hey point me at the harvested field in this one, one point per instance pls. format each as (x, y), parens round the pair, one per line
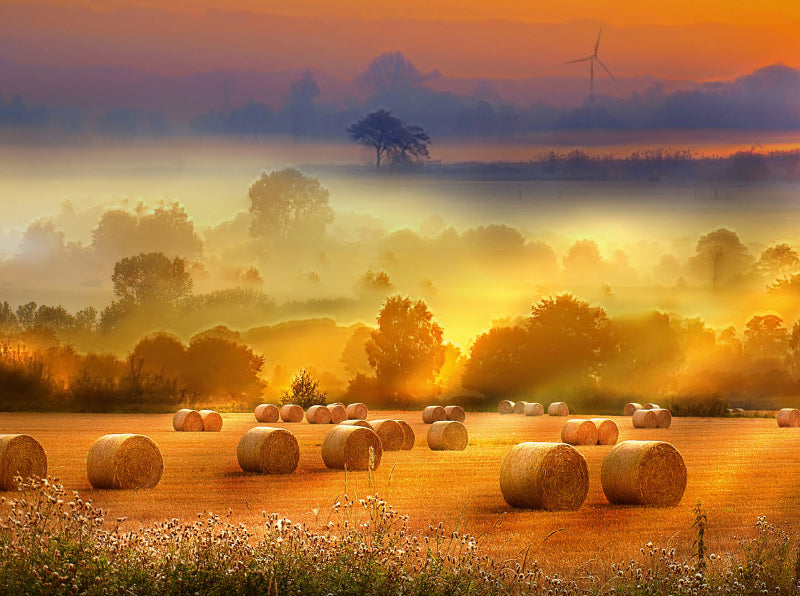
(730, 466)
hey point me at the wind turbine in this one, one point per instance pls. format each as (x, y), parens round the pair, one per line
(591, 59)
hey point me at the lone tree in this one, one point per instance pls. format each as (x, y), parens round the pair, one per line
(406, 350)
(151, 278)
(400, 143)
(286, 204)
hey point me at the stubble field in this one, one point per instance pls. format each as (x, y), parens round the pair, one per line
(738, 468)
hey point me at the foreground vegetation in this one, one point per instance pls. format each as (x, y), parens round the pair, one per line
(52, 543)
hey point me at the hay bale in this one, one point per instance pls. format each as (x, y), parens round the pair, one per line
(455, 413)
(651, 406)
(212, 421)
(534, 409)
(607, 431)
(788, 417)
(20, 455)
(348, 447)
(519, 407)
(558, 408)
(644, 419)
(447, 435)
(550, 476)
(391, 434)
(267, 413)
(663, 417)
(361, 423)
(268, 450)
(643, 473)
(338, 413)
(408, 435)
(124, 461)
(291, 413)
(579, 432)
(505, 407)
(631, 407)
(318, 415)
(357, 411)
(186, 420)
(433, 414)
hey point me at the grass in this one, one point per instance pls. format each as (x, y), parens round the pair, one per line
(740, 469)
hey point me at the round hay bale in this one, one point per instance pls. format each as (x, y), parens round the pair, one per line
(644, 419)
(519, 407)
(291, 413)
(124, 461)
(23, 456)
(558, 408)
(391, 434)
(212, 421)
(788, 417)
(267, 413)
(631, 407)
(338, 413)
(357, 411)
(338, 403)
(607, 431)
(651, 406)
(579, 432)
(505, 407)
(186, 420)
(408, 435)
(663, 417)
(550, 476)
(738, 411)
(268, 450)
(455, 413)
(534, 409)
(447, 435)
(433, 414)
(643, 473)
(318, 415)
(348, 447)
(361, 423)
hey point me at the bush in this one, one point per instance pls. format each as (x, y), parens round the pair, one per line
(304, 391)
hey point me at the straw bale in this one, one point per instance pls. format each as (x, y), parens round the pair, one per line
(505, 407)
(558, 408)
(267, 413)
(663, 417)
(318, 415)
(357, 422)
(788, 417)
(447, 435)
(433, 414)
(408, 435)
(186, 420)
(391, 434)
(534, 409)
(348, 447)
(631, 407)
(23, 456)
(455, 413)
(579, 432)
(519, 407)
(643, 473)
(651, 406)
(357, 411)
(607, 431)
(338, 413)
(291, 413)
(268, 450)
(550, 476)
(644, 419)
(124, 461)
(212, 421)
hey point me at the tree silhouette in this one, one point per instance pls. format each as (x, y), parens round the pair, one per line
(400, 143)
(765, 337)
(391, 71)
(721, 257)
(300, 104)
(304, 391)
(406, 350)
(497, 364)
(286, 204)
(151, 279)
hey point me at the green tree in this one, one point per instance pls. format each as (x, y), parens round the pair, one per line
(151, 279)
(391, 138)
(407, 349)
(285, 204)
(304, 391)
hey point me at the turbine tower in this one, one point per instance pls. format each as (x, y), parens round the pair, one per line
(591, 59)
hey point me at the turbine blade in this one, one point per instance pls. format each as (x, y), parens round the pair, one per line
(580, 60)
(597, 43)
(606, 69)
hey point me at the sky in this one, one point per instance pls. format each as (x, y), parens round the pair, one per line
(677, 40)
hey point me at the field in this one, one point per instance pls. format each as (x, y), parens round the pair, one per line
(738, 468)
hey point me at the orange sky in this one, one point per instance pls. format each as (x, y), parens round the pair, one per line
(681, 39)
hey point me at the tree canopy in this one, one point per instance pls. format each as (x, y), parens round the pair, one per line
(151, 278)
(400, 143)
